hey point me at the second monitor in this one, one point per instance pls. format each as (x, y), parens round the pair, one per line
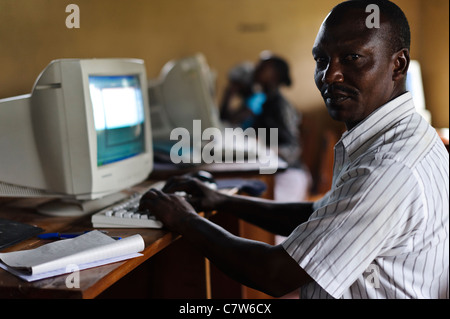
(183, 97)
(183, 92)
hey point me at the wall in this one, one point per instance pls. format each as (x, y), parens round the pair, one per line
(433, 52)
(33, 32)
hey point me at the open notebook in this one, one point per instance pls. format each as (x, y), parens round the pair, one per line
(86, 251)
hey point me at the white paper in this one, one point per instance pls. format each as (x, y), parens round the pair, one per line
(67, 270)
(91, 247)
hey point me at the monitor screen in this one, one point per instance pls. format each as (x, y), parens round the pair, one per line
(118, 109)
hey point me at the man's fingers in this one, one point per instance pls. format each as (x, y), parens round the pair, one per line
(150, 196)
(178, 184)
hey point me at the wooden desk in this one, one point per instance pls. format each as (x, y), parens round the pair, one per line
(172, 269)
(92, 281)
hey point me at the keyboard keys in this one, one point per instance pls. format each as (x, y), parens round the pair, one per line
(125, 214)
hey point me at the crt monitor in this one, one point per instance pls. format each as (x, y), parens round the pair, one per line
(183, 92)
(83, 135)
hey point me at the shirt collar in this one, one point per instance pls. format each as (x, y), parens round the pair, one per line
(381, 120)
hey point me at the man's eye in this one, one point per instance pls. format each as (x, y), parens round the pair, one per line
(352, 57)
(320, 60)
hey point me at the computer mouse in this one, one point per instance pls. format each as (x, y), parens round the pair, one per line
(205, 177)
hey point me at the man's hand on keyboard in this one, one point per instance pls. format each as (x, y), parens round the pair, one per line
(172, 210)
(199, 195)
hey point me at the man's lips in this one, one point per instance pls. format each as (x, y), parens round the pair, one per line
(335, 94)
(335, 98)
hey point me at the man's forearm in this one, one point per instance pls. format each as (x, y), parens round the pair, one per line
(255, 264)
(278, 218)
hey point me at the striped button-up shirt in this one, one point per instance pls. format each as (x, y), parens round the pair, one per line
(382, 231)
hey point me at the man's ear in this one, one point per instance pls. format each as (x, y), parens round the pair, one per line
(401, 64)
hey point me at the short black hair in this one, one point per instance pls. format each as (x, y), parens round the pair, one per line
(399, 36)
(281, 65)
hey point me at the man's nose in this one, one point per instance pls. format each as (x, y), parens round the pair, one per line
(333, 73)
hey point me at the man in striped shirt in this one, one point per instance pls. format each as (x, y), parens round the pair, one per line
(382, 229)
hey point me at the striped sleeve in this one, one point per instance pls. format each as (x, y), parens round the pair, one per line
(358, 224)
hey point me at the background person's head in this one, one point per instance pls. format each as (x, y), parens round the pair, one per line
(271, 72)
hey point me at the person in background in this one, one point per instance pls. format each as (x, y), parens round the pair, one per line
(271, 73)
(262, 105)
(234, 108)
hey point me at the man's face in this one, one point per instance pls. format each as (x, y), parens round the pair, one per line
(353, 68)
